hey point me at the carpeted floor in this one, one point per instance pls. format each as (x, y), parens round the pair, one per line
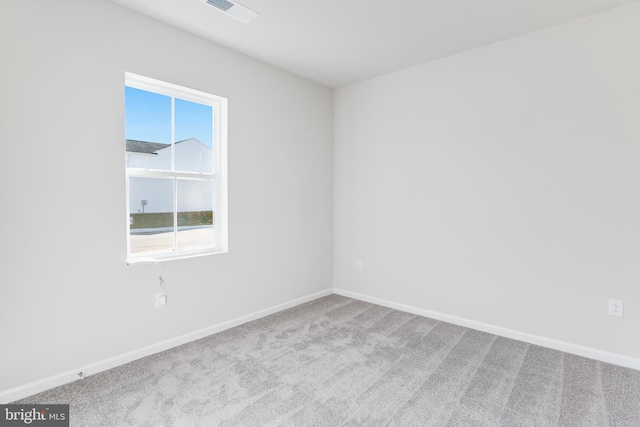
(337, 361)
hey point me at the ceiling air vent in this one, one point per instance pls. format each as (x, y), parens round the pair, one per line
(233, 9)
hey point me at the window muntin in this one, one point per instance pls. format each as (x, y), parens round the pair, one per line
(176, 171)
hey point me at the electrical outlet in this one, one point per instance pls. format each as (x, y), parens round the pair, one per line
(161, 300)
(616, 308)
(358, 265)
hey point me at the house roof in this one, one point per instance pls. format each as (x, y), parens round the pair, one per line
(146, 147)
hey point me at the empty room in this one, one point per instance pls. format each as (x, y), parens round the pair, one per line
(296, 213)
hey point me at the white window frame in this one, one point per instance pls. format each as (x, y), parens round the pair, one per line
(218, 176)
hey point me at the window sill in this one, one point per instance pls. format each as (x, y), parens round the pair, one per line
(171, 257)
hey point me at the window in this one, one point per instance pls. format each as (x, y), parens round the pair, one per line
(176, 145)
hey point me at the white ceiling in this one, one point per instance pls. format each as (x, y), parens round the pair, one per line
(336, 42)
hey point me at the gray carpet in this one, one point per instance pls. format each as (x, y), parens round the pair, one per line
(341, 362)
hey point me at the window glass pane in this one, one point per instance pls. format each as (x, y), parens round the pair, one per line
(195, 214)
(151, 215)
(194, 136)
(148, 129)
(177, 202)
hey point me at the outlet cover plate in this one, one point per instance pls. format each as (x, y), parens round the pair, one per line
(161, 300)
(616, 308)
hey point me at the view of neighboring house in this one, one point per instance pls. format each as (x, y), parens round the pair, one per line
(153, 195)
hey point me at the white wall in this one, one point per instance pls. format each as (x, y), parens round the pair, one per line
(501, 185)
(67, 298)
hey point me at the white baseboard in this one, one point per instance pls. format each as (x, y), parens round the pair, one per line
(34, 387)
(591, 353)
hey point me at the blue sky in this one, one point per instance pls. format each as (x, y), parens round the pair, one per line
(148, 118)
